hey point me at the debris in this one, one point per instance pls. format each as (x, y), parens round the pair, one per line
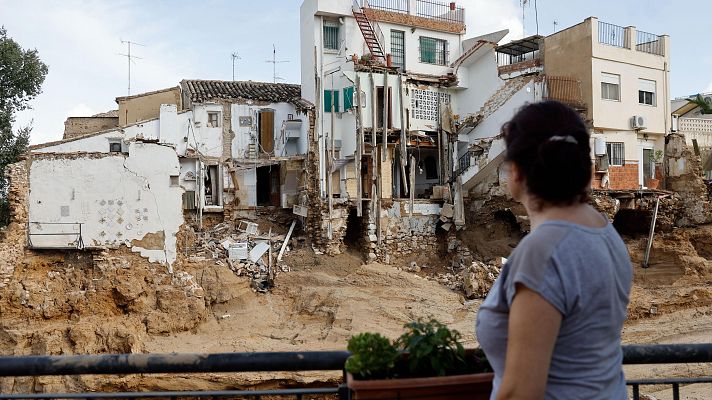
(258, 251)
(447, 210)
(225, 316)
(238, 251)
(248, 227)
(286, 240)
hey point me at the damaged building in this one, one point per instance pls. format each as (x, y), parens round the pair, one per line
(177, 155)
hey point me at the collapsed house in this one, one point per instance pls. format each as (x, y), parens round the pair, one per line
(178, 155)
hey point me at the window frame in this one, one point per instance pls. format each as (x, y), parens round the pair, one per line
(326, 42)
(217, 119)
(112, 148)
(605, 86)
(646, 84)
(398, 52)
(435, 41)
(610, 155)
(327, 103)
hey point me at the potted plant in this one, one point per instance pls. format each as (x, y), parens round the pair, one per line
(655, 157)
(426, 362)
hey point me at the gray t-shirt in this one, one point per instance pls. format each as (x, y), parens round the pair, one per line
(586, 274)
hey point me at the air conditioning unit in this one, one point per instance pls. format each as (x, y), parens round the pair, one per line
(638, 122)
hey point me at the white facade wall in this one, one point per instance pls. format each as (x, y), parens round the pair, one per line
(287, 142)
(91, 144)
(119, 199)
(479, 80)
(206, 140)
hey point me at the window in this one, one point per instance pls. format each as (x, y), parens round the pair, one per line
(348, 98)
(328, 94)
(646, 92)
(398, 49)
(114, 147)
(616, 153)
(433, 51)
(213, 119)
(610, 86)
(331, 35)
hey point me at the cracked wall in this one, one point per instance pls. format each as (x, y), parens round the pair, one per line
(117, 199)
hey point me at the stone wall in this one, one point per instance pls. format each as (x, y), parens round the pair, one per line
(78, 126)
(13, 238)
(684, 177)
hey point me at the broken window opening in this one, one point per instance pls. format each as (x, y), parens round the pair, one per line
(427, 169)
(213, 119)
(114, 147)
(211, 186)
(354, 232)
(380, 107)
(268, 186)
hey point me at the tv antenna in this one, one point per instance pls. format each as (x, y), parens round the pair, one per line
(129, 58)
(555, 23)
(235, 56)
(274, 63)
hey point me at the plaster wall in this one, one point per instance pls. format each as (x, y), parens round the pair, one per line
(287, 141)
(119, 199)
(479, 80)
(93, 144)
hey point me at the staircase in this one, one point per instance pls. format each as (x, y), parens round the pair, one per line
(370, 30)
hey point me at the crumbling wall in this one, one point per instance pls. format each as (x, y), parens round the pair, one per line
(119, 200)
(78, 126)
(403, 235)
(13, 238)
(684, 177)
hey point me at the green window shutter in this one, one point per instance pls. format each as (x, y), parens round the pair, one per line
(327, 100)
(427, 50)
(348, 98)
(336, 100)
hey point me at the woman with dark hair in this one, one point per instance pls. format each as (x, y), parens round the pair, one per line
(551, 325)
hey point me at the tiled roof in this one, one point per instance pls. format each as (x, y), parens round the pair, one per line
(204, 90)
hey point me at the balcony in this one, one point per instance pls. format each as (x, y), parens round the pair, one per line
(630, 38)
(178, 365)
(429, 14)
(520, 56)
(564, 89)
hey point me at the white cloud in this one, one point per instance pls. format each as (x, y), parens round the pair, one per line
(486, 16)
(709, 88)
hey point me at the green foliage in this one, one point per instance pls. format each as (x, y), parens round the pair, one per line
(21, 76)
(656, 156)
(705, 106)
(373, 356)
(433, 349)
(427, 348)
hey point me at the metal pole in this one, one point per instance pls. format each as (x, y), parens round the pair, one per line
(650, 235)
(359, 149)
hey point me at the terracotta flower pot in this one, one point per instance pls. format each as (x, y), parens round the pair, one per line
(457, 387)
(652, 183)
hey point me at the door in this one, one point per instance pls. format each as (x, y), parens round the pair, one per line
(274, 193)
(267, 131)
(648, 166)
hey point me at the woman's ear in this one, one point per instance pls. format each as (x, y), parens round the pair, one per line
(515, 181)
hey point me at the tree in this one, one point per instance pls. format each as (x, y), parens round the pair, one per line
(705, 106)
(21, 76)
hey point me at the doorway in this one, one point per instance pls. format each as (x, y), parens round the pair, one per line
(266, 128)
(268, 186)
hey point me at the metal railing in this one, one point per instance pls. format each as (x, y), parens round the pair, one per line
(399, 6)
(612, 35)
(649, 43)
(443, 12)
(433, 51)
(121, 364)
(464, 163)
(504, 59)
(564, 89)
(55, 235)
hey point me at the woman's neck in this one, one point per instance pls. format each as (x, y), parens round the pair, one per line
(578, 213)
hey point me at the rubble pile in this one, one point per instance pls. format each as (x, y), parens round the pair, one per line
(474, 281)
(244, 250)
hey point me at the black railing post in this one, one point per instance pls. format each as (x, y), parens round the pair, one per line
(636, 392)
(675, 391)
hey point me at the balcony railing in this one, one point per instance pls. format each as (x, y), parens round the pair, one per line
(443, 12)
(612, 35)
(701, 125)
(564, 89)
(447, 12)
(649, 43)
(122, 364)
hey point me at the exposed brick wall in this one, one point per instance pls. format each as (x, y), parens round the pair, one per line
(623, 177)
(412, 20)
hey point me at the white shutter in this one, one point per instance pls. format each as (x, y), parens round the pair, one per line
(646, 85)
(610, 78)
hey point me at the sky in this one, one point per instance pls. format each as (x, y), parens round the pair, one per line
(81, 42)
